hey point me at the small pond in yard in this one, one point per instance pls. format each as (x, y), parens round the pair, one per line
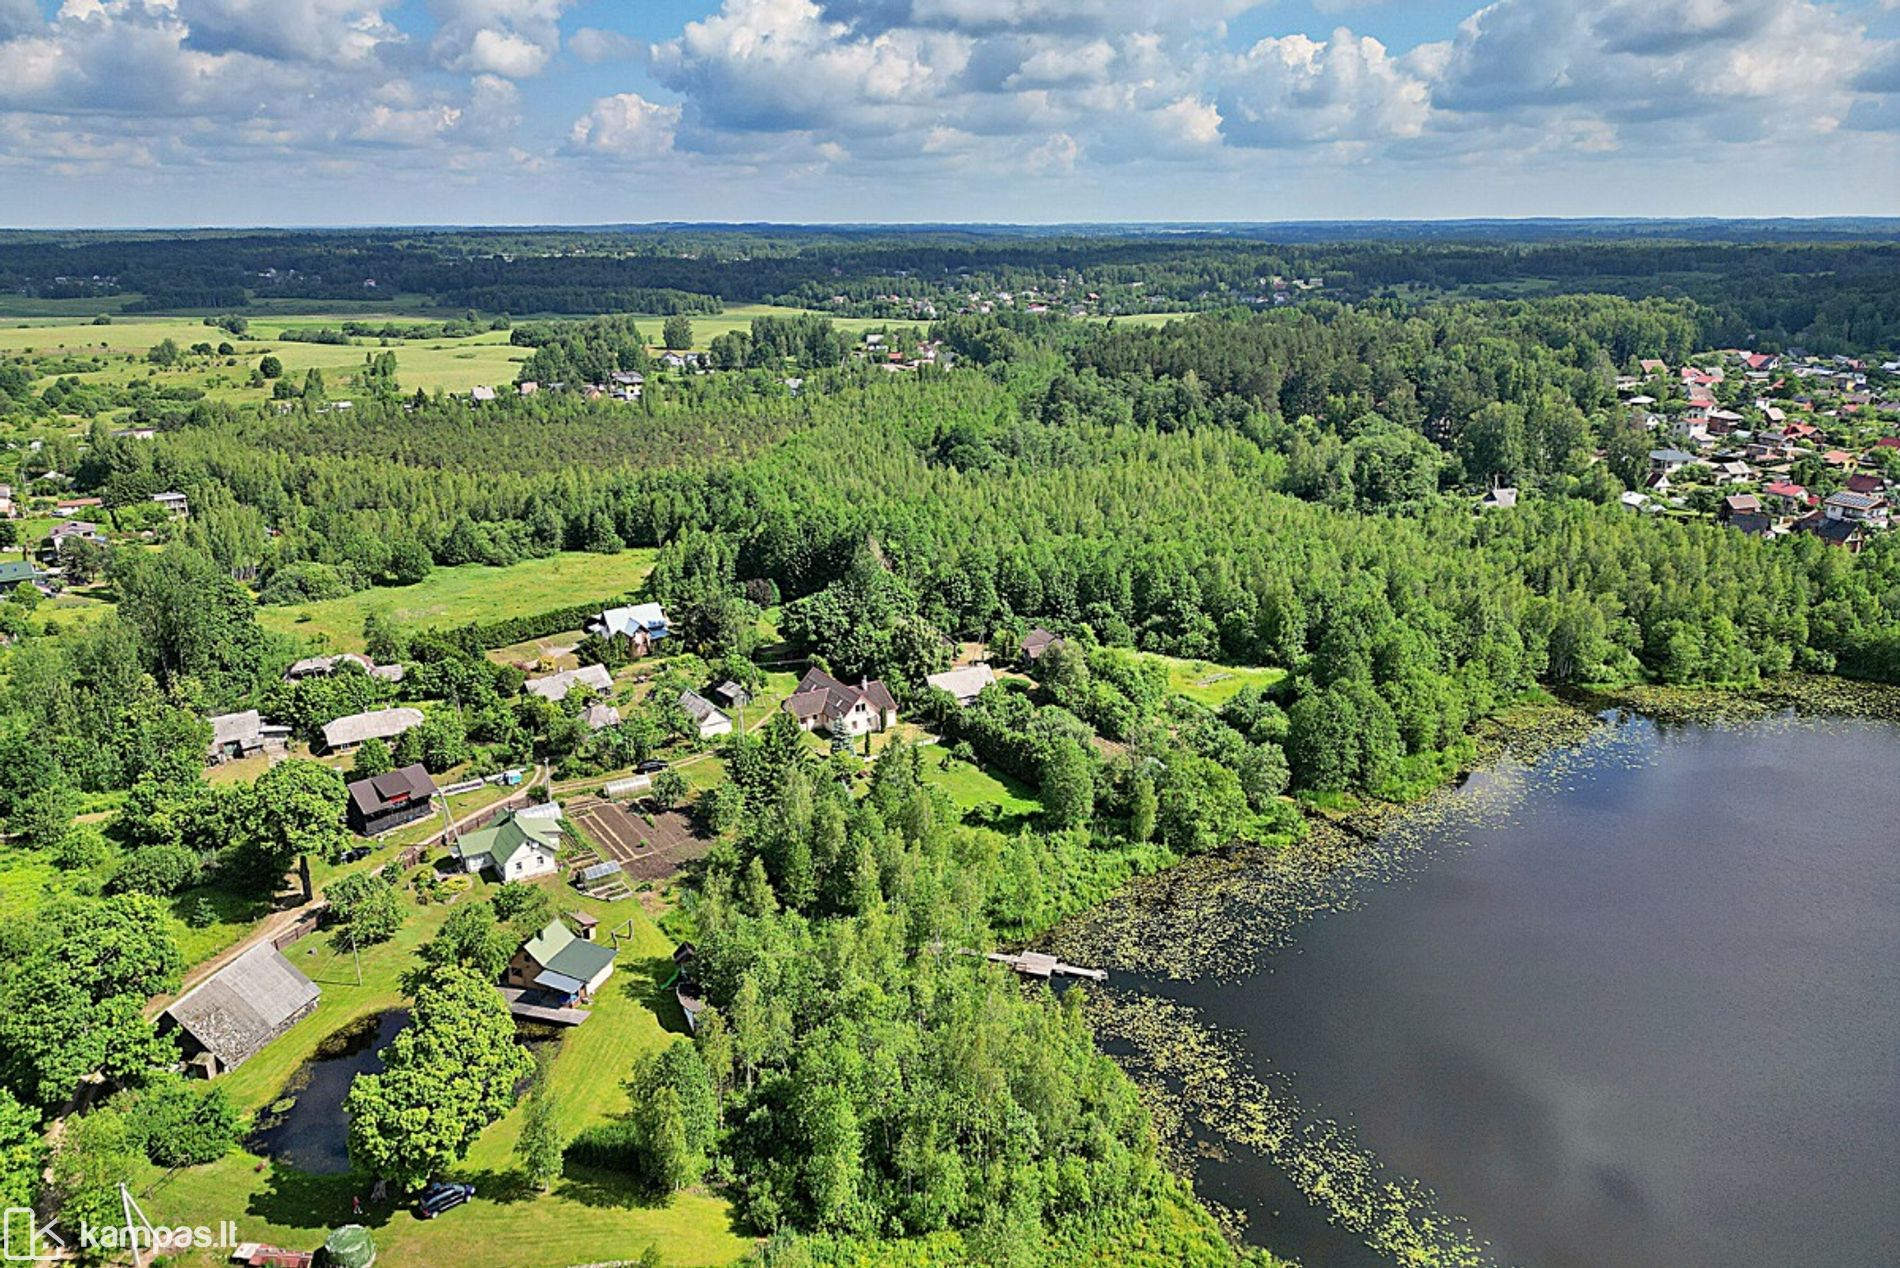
(305, 1126)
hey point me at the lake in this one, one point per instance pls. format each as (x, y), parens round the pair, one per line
(1642, 1008)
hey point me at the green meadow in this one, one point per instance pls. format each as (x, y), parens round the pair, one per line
(470, 592)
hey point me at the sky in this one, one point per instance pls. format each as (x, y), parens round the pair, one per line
(336, 112)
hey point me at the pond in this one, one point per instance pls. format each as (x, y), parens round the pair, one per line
(305, 1127)
(1642, 1008)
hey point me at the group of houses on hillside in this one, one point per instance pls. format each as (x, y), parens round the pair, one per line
(1749, 426)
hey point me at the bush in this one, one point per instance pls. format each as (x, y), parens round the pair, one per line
(182, 1124)
(158, 870)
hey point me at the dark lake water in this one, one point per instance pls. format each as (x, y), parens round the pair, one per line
(1645, 1012)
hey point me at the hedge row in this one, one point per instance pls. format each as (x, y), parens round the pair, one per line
(480, 636)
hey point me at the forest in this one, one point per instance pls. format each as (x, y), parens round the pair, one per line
(1289, 489)
(1832, 288)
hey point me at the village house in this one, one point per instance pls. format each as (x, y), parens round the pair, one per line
(1786, 497)
(562, 964)
(641, 624)
(235, 735)
(556, 686)
(1668, 461)
(324, 666)
(70, 531)
(1502, 498)
(1036, 643)
(822, 701)
(70, 506)
(1859, 508)
(18, 572)
(389, 800)
(707, 716)
(228, 1018)
(175, 504)
(348, 732)
(1850, 535)
(964, 684)
(516, 847)
(598, 717)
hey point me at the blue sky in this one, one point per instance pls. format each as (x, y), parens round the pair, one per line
(198, 112)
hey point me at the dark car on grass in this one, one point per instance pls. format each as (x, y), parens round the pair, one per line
(649, 766)
(443, 1195)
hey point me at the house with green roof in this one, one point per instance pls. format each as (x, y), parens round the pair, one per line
(562, 964)
(517, 847)
(14, 572)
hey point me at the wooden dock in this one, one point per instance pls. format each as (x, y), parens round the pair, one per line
(1040, 964)
(519, 1004)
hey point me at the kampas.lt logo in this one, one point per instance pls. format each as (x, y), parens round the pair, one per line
(25, 1239)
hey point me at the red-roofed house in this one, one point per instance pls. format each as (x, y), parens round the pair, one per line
(1789, 498)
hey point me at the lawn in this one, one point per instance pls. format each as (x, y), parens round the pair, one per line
(588, 1217)
(971, 786)
(471, 592)
(1213, 685)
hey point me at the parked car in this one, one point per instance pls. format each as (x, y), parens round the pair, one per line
(443, 1195)
(354, 853)
(650, 765)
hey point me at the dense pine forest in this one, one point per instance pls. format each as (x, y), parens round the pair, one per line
(1287, 487)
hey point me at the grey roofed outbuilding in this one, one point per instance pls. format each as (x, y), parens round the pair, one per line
(244, 1005)
(556, 686)
(701, 709)
(382, 724)
(247, 732)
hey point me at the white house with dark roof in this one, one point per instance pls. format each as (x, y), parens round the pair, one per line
(823, 701)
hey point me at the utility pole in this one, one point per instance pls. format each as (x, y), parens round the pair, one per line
(135, 1221)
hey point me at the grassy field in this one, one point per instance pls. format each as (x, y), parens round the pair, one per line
(451, 365)
(1213, 685)
(588, 1217)
(472, 592)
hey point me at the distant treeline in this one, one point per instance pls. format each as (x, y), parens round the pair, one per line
(1836, 291)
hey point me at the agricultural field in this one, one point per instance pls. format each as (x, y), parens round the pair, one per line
(449, 365)
(470, 592)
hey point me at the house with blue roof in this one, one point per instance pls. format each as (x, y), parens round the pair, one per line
(641, 624)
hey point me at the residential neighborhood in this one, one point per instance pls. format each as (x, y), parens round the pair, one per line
(1770, 444)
